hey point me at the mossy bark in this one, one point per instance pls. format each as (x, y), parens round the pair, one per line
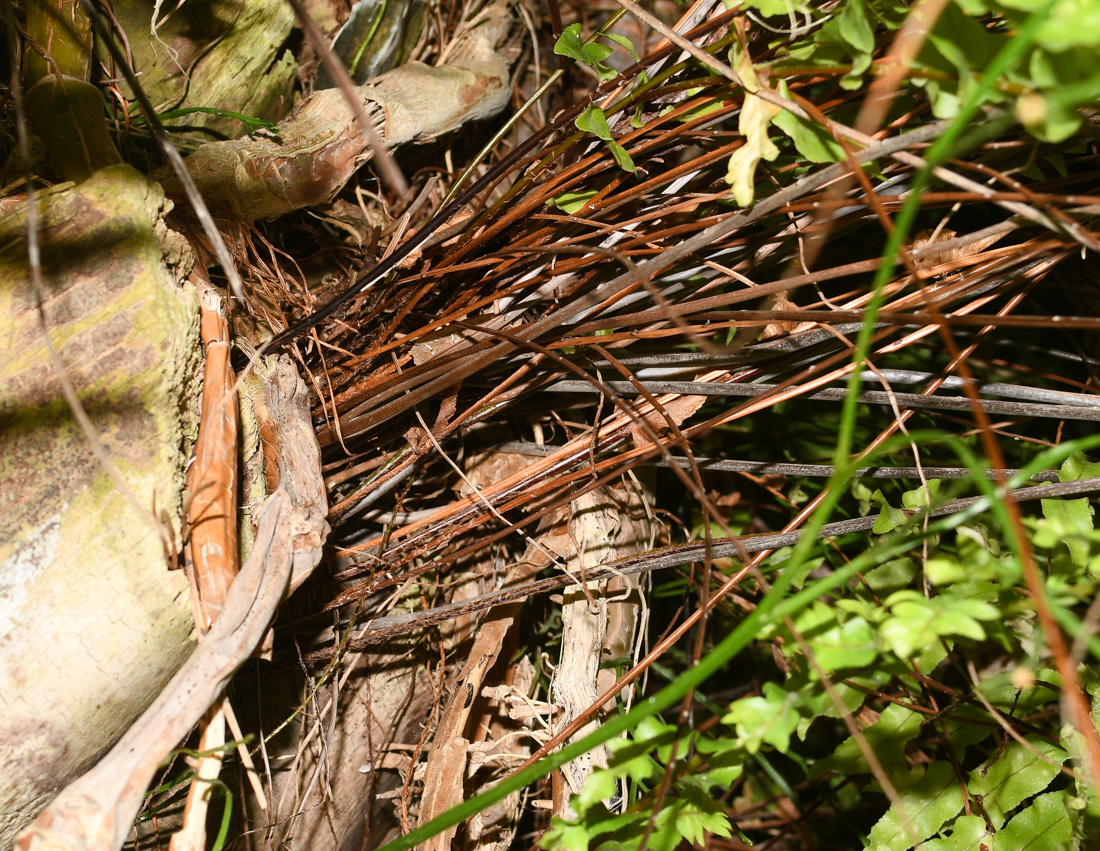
(92, 622)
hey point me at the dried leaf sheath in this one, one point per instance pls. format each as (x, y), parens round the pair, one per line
(212, 479)
(322, 146)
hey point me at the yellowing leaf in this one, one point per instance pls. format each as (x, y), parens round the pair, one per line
(756, 115)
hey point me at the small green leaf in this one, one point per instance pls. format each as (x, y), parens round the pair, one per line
(921, 497)
(625, 43)
(834, 643)
(622, 158)
(861, 492)
(922, 809)
(569, 43)
(916, 623)
(886, 739)
(767, 8)
(889, 519)
(565, 836)
(595, 53)
(944, 570)
(593, 121)
(1017, 773)
(1071, 23)
(893, 575)
(1071, 523)
(1047, 118)
(768, 719)
(1077, 467)
(699, 814)
(631, 757)
(571, 202)
(1043, 826)
(725, 763)
(598, 787)
(854, 22)
(811, 141)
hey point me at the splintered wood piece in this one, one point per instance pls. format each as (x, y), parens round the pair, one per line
(192, 836)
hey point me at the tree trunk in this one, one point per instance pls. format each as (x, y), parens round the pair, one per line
(92, 623)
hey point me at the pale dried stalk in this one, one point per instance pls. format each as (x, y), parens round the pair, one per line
(192, 836)
(599, 623)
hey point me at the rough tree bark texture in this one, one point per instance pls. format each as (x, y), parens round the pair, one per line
(92, 622)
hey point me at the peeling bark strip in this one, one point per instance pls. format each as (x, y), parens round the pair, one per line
(212, 479)
(446, 769)
(321, 147)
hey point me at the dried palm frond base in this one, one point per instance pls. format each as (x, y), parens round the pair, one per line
(545, 392)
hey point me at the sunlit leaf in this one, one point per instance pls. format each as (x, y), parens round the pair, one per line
(923, 808)
(593, 121)
(571, 202)
(767, 719)
(1015, 774)
(1071, 522)
(1044, 825)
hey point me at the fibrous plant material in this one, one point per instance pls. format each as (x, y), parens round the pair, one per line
(624, 236)
(605, 302)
